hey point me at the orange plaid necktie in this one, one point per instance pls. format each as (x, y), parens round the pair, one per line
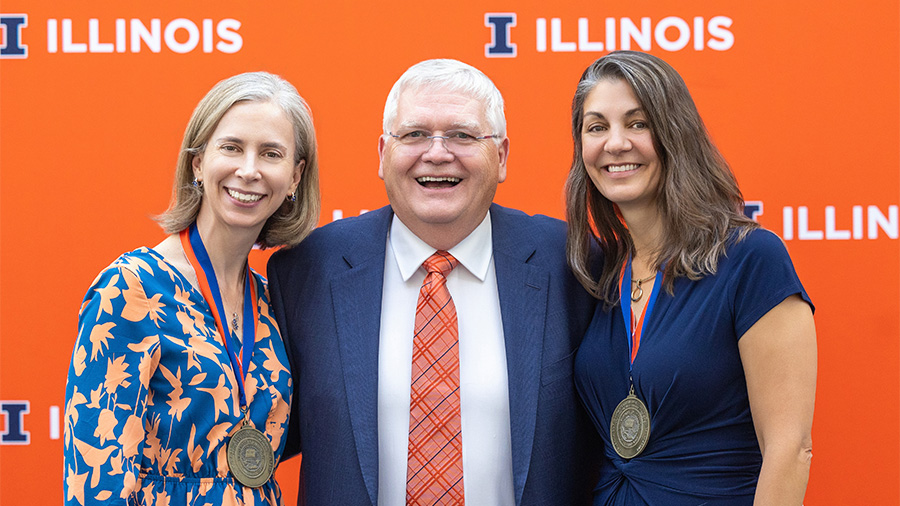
(434, 472)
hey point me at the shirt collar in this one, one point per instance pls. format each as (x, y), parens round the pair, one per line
(474, 252)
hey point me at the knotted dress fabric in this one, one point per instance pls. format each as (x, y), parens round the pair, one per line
(435, 473)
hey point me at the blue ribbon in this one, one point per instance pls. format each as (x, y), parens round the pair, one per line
(249, 338)
(625, 303)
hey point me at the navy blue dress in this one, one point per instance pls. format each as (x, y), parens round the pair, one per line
(702, 448)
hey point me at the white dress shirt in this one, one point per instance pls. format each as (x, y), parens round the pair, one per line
(484, 389)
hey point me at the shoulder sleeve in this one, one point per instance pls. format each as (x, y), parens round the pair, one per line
(761, 277)
(116, 352)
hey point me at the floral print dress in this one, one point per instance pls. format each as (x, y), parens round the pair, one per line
(152, 400)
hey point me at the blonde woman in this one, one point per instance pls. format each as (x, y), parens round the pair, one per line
(179, 389)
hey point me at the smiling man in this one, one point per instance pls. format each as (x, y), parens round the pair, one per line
(432, 341)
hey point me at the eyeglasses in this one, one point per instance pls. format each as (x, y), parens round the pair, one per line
(458, 142)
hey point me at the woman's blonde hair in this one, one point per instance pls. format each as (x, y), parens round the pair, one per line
(294, 220)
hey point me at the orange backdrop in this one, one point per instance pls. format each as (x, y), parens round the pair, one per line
(802, 97)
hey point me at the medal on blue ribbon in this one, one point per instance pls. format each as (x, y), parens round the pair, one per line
(249, 452)
(629, 426)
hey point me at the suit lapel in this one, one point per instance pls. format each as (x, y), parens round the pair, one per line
(523, 291)
(356, 295)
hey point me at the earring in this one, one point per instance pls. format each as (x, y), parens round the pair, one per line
(197, 184)
(292, 197)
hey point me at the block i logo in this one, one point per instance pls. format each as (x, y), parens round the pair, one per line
(500, 24)
(13, 431)
(11, 27)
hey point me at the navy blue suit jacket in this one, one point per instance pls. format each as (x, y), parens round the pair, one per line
(326, 293)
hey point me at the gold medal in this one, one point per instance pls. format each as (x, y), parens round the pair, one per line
(250, 456)
(629, 428)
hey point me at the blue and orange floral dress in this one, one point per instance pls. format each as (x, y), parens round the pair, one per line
(151, 397)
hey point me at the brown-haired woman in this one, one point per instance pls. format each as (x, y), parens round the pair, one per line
(699, 370)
